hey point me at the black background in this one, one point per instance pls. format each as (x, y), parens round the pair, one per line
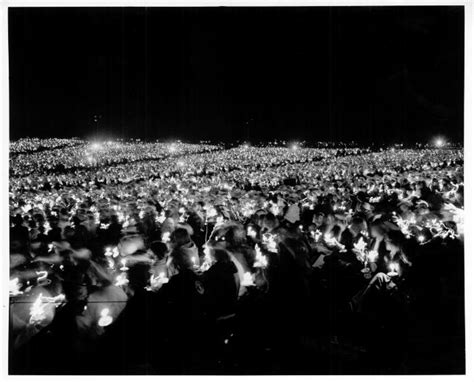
(379, 74)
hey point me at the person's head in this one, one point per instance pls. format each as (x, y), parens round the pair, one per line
(180, 237)
(269, 222)
(159, 249)
(138, 276)
(318, 219)
(68, 233)
(358, 224)
(394, 241)
(420, 185)
(181, 260)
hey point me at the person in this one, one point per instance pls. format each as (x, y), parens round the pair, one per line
(181, 301)
(182, 245)
(160, 251)
(221, 285)
(390, 274)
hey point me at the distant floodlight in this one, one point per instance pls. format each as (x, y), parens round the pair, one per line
(246, 146)
(172, 149)
(96, 146)
(294, 147)
(439, 142)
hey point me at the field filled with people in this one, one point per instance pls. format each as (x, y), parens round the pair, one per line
(169, 258)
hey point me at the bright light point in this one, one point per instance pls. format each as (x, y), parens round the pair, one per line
(294, 147)
(421, 238)
(246, 146)
(105, 319)
(96, 146)
(172, 149)
(439, 142)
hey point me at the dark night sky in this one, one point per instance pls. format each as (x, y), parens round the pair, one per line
(345, 73)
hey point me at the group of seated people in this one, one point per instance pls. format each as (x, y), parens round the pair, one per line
(143, 280)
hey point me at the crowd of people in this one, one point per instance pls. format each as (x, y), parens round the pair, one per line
(167, 257)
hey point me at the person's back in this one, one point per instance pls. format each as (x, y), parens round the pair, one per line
(221, 287)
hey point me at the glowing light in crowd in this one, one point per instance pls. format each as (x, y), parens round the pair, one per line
(372, 256)
(111, 252)
(121, 279)
(195, 261)
(42, 276)
(14, 287)
(439, 142)
(207, 262)
(96, 146)
(270, 242)
(261, 261)
(316, 235)
(105, 319)
(248, 279)
(160, 219)
(251, 232)
(405, 225)
(329, 239)
(165, 238)
(393, 269)
(360, 246)
(110, 263)
(421, 238)
(37, 312)
(156, 282)
(211, 212)
(124, 265)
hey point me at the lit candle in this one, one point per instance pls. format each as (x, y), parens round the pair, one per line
(261, 261)
(248, 279)
(165, 238)
(37, 313)
(14, 287)
(393, 269)
(124, 265)
(105, 319)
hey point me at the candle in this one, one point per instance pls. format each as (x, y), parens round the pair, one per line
(372, 256)
(37, 313)
(121, 279)
(251, 232)
(105, 319)
(14, 287)
(393, 269)
(124, 265)
(248, 279)
(261, 261)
